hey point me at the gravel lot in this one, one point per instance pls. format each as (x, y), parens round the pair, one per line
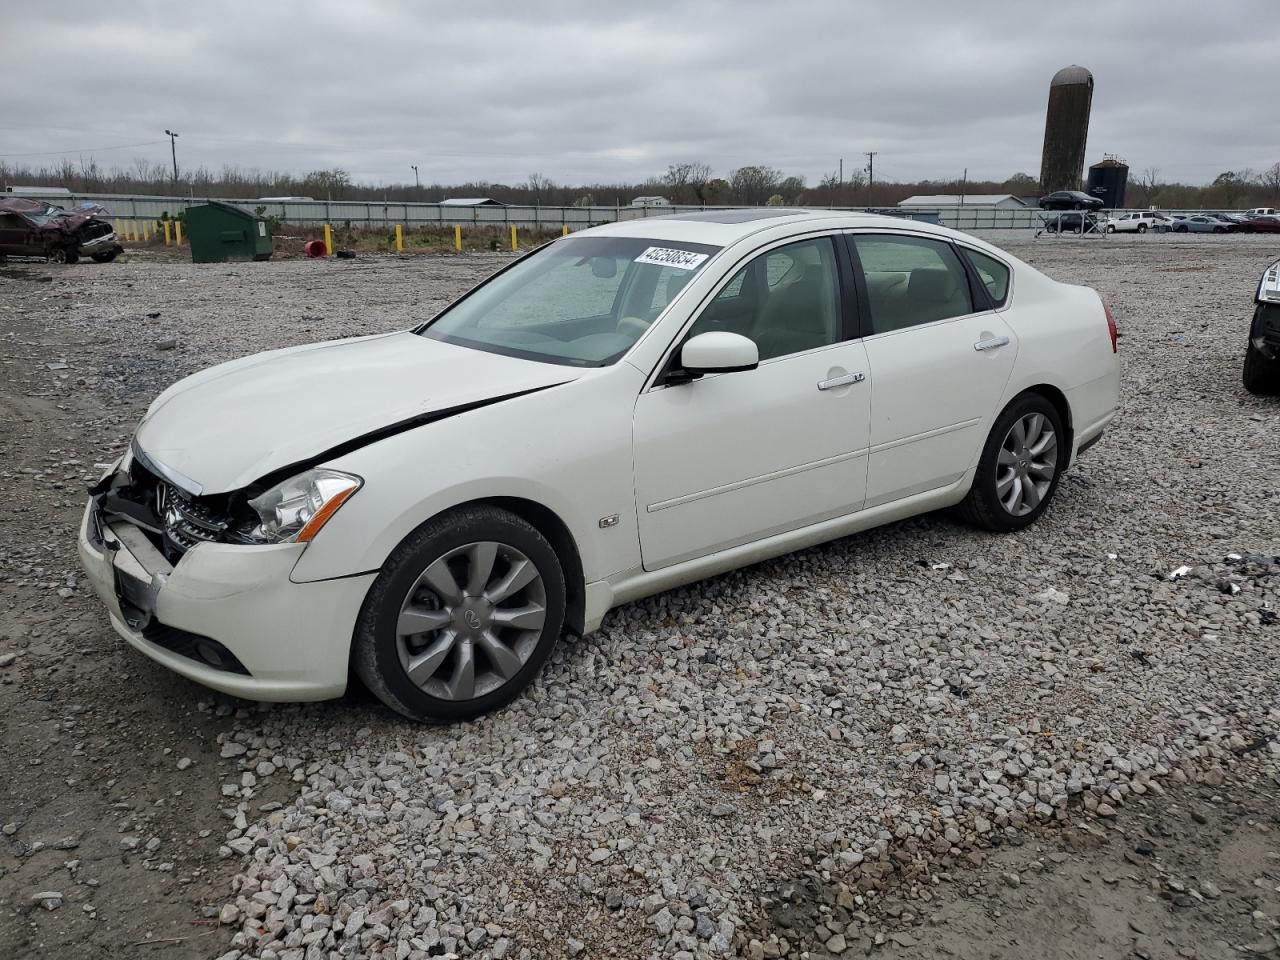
(801, 757)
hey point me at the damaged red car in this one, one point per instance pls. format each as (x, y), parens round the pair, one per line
(33, 228)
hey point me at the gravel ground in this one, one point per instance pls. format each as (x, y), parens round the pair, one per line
(769, 763)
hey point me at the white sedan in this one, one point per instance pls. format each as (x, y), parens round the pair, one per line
(622, 411)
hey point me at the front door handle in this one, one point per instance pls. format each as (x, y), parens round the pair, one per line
(991, 343)
(844, 381)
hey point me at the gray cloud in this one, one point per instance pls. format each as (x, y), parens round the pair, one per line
(611, 91)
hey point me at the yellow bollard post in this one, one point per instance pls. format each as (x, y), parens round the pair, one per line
(133, 231)
(564, 231)
(168, 234)
(146, 231)
(513, 236)
(399, 238)
(457, 238)
(119, 232)
(328, 241)
(177, 225)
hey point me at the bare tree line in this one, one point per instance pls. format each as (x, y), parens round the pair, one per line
(689, 182)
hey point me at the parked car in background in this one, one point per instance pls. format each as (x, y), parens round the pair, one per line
(1263, 224)
(1236, 219)
(34, 228)
(1202, 223)
(1136, 222)
(622, 411)
(1262, 212)
(1072, 223)
(1262, 355)
(1070, 200)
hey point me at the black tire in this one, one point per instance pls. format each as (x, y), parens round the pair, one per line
(1111, 228)
(105, 257)
(982, 507)
(375, 655)
(1219, 229)
(1261, 376)
(1142, 228)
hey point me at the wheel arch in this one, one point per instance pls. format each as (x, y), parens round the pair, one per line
(548, 523)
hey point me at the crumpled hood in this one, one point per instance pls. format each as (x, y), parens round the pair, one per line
(232, 424)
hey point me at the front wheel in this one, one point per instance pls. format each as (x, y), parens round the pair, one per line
(1020, 466)
(462, 617)
(1261, 376)
(106, 257)
(1142, 228)
(1110, 228)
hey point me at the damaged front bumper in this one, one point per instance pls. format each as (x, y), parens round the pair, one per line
(224, 615)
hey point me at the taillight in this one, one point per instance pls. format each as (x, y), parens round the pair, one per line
(1111, 326)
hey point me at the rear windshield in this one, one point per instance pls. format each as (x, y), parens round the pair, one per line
(581, 301)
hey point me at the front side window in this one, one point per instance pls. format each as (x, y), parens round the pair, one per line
(993, 274)
(911, 281)
(581, 301)
(786, 300)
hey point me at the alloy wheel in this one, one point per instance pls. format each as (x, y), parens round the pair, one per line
(471, 620)
(1027, 464)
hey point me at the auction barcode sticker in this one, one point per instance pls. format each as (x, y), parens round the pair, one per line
(667, 257)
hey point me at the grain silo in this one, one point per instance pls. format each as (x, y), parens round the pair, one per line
(1066, 129)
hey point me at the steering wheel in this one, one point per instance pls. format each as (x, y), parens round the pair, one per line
(632, 327)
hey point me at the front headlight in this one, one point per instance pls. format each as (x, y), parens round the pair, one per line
(294, 511)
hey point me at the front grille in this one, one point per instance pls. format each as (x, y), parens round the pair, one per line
(187, 523)
(94, 229)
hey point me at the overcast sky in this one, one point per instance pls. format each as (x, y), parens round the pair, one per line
(608, 91)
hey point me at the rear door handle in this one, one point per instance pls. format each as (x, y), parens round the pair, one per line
(844, 381)
(992, 343)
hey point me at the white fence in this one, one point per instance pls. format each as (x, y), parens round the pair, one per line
(386, 213)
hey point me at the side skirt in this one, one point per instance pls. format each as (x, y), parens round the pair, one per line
(603, 595)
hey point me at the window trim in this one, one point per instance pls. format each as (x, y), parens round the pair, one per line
(965, 250)
(849, 313)
(979, 299)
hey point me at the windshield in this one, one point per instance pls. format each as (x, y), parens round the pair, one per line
(581, 300)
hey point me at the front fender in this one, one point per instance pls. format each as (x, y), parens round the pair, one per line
(568, 450)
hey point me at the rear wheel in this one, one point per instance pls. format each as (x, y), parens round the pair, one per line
(63, 255)
(1020, 466)
(462, 617)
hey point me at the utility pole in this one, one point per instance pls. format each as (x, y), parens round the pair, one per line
(173, 151)
(964, 180)
(840, 175)
(417, 185)
(871, 173)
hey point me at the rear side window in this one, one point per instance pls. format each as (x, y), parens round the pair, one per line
(993, 274)
(911, 281)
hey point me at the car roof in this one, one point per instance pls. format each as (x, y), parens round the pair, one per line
(724, 227)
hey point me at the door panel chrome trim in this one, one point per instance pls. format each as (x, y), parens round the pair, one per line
(752, 481)
(927, 435)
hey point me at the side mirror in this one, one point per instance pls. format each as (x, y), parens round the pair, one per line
(718, 352)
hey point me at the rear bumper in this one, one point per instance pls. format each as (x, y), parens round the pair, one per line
(290, 641)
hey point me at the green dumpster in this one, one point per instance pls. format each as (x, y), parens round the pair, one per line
(219, 232)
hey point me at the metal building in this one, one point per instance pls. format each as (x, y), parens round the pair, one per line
(1066, 129)
(1108, 180)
